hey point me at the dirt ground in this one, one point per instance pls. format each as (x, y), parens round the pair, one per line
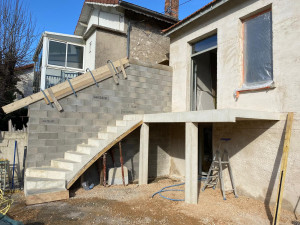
(133, 205)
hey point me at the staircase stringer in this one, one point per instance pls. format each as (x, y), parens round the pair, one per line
(100, 153)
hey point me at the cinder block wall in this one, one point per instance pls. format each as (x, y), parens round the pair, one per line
(51, 133)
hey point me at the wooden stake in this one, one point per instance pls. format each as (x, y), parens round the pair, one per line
(56, 103)
(121, 160)
(284, 159)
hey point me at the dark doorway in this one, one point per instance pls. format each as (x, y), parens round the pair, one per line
(204, 75)
(205, 153)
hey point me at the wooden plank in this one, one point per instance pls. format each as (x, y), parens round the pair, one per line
(47, 197)
(96, 157)
(123, 70)
(284, 160)
(63, 89)
(56, 103)
(113, 73)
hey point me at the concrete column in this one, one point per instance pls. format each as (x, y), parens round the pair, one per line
(191, 163)
(144, 154)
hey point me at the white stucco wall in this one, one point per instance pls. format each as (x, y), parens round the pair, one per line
(256, 147)
(90, 52)
(226, 21)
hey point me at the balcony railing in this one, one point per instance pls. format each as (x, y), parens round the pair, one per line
(52, 80)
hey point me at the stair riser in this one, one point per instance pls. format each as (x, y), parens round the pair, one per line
(121, 123)
(45, 174)
(74, 157)
(103, 136)
(62, 165)
(95, 142)
(85, 150)
(112, 129)
(45, 184)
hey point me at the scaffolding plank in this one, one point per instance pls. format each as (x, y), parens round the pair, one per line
(56, 103)
(63, 89)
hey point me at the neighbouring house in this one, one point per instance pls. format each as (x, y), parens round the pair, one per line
(25, 84)
(232, 74)
(106, 30)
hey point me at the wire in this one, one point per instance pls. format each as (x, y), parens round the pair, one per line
(178, 5)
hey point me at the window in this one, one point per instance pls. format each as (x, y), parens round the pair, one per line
(65, 55)
(257, 58)
(205, 44)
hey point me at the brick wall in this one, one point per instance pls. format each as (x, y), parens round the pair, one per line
(51, 133)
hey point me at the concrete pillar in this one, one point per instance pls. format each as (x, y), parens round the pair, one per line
(191, 163)
(144, 154)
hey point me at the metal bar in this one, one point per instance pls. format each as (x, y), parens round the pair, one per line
(121, 160)
(12, 182)
(221, 175)
(47, 98)
(88, 70)
(113, 71)
(104, 169)
(72, 87)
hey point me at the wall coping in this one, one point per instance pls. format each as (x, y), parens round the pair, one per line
(151, 65)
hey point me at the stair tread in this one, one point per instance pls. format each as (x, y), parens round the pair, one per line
(41, 191)
(42, 179)
(65, 160)
(49, 169)
(77, 153)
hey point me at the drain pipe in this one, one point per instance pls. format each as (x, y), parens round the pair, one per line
(128, 39)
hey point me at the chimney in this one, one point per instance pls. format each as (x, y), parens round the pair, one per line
(171, 8)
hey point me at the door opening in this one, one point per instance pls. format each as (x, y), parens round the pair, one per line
(204, 75)
(205, 153)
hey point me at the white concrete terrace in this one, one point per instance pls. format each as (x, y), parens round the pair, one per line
(191, 120)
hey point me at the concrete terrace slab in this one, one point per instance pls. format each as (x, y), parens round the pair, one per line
(212, 116)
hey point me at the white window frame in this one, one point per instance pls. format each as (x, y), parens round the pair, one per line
(66, 58)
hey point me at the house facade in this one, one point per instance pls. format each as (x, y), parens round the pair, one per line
(232, 74)
(242, 55)
(106, 30)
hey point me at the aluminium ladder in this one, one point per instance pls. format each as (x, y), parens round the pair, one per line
(215, 172)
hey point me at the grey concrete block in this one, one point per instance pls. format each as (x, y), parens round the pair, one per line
(32, 136)
(70, 108)
(55, 142)
(48, 121)
(37, 128)
(84, 136)
(54, 128)
(78, 102)
(67, 135)
(73, 129)
(33, 120)
(45, 149)
(38, 113)
(84, 109)
(68, 121)
(84, 122)
(90, 116)
(36, 142)
(74, 115)
(46, 107)
(47, 135)
(53, 155)
(75, 141)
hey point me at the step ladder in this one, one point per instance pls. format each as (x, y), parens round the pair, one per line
(215, 171)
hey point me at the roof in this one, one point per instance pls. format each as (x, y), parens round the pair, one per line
(25, 67)
(207, 8)
(87, 8)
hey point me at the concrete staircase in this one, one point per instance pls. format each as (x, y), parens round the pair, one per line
(45, 184)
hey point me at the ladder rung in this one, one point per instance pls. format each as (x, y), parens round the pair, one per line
(229, 190)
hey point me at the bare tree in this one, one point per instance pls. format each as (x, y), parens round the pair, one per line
(17, 35)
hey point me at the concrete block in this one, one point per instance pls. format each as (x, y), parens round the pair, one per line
(48, 135)
(84, 109)
(115, 176)
(73, 129)
(70, 108)
(38, 114)
(82, 122)
(90, 116)
(78, 102)
(74, 115)
(54, 114)
(47, 121)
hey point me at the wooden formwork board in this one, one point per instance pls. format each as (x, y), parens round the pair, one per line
(64, 89)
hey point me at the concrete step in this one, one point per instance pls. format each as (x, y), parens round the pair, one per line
(75, 156)
(133, 117)
(95, 142)
(112, 129)
(37, 196)
(105, 135)
(87, 149)
(46, 172)
(64, 164)
(44, 183)
(121, 123)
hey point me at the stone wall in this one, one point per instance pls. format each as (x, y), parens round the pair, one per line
(7, 146)
(51, 133)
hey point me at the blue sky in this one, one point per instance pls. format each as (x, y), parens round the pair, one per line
(61, 16)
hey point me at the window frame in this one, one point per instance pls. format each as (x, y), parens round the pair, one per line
(243, 43)
(66, 57)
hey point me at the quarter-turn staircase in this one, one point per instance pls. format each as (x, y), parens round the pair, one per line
(44, 184)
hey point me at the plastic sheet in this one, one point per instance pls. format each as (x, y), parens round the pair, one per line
(258, 66)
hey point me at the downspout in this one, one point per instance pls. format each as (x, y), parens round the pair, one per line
(128, 39)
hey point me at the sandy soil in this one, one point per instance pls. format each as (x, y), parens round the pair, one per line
(133, 205)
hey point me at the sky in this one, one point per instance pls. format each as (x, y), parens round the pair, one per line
(61, 16)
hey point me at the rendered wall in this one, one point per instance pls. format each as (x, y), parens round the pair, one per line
(255, 146)
(226, 22)
(7, 146)
(51, 133)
